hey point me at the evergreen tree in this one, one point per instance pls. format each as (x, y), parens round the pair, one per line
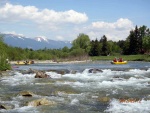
(95, 48)
(104, 46)
(136, 40)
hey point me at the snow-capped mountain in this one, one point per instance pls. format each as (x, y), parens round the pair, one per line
(36, 43)
(41, 38)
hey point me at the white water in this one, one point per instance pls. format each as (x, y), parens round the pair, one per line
(110, 82)
(137, 107)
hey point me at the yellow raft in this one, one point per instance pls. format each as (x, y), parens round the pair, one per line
(123, 62)
(24, 62)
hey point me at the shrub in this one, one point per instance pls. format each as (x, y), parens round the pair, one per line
(4, 65)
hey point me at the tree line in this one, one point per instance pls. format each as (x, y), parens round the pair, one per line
(138, 42)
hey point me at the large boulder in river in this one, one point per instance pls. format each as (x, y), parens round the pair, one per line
(26, 94)
(39, 102)
(41, 74)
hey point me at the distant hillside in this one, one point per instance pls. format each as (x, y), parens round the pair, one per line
(34, 43)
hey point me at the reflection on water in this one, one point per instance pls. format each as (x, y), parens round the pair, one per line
(80, 89)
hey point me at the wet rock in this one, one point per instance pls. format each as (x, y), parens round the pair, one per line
(26, 94)
(95, 70)
(7, 107)
(73, 72)
(104, 99)
(129, 100)
(61, 72)
(39, 102)
(41, 74)
(116, 77)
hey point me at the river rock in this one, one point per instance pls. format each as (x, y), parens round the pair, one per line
(7, 107)
(104, 99)
(41, 74)
(95, 70)
(39, 102)
(26, 93)
(73, 72)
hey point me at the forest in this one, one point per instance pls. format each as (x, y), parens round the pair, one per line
(137, 42)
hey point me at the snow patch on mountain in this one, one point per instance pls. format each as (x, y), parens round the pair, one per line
(41, 38)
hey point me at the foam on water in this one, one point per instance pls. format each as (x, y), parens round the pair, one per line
(54, 75)
(107, 73)
(75, 102)
(104, 76)
(25, 109)
(18, 79)
(107, 78)
(136, 107)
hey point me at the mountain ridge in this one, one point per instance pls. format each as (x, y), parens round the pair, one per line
(36, 43)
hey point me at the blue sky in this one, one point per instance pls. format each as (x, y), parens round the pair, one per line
(65, 19)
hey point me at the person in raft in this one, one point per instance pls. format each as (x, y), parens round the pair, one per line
(115, 59)
(120, 60)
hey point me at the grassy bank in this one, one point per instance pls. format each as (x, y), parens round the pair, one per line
(125, 57)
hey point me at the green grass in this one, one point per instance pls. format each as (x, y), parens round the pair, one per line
(125, 57)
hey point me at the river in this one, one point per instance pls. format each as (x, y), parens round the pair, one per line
(78, 89)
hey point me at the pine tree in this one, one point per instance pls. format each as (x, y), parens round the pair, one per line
(104, 45)
(95, 48)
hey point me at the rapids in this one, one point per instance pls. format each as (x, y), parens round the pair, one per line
(78, 90)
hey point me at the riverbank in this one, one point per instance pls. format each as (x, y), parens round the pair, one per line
(95, 58)
(53, 62)
(125, 57)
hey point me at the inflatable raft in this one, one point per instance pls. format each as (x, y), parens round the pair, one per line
(117, 62)
(24, 62)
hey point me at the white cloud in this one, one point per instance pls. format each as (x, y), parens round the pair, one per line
(13, 33)
(119, 24)
(115, 31)
(60, 38)
(63, 25)
(15, 13)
